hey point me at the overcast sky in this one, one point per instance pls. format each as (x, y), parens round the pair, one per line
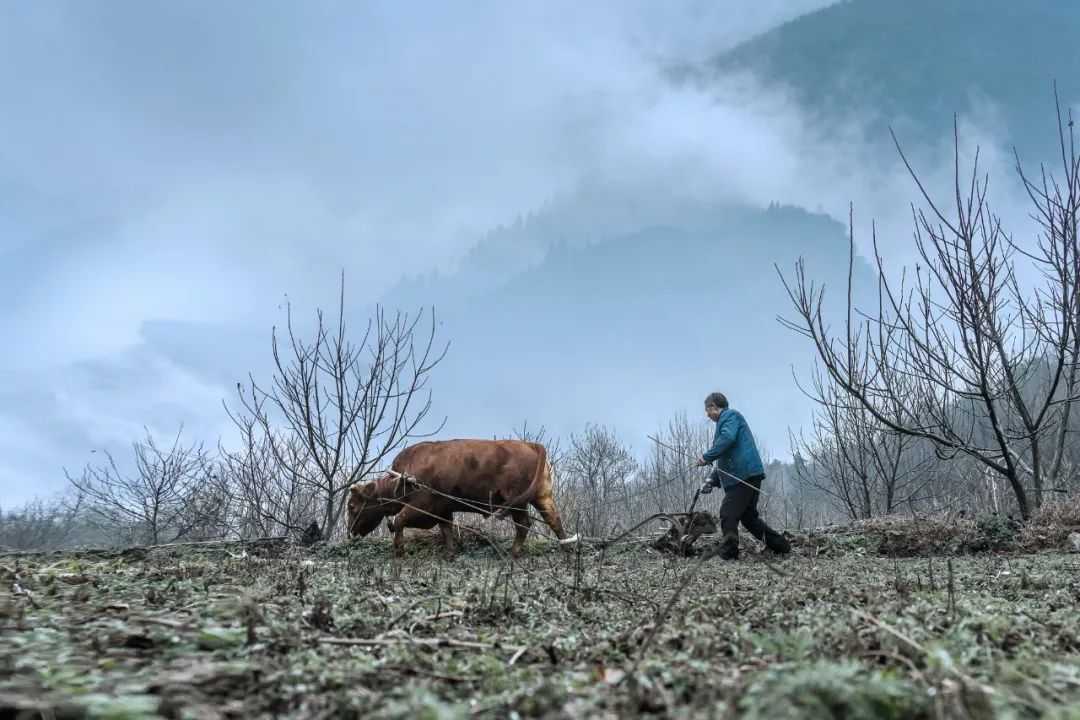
(170, 171)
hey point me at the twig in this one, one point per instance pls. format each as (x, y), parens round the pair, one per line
(425, 642)
(406, 611)
(440, 616)
(919, 648)
(667, 516)
(518, 654)
(436, 616)
(175, 624)
(952, 592)
(891, 630)
(435, 676)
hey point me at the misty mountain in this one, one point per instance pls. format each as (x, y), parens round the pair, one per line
(629, 328)
(908, 65)
(914, 64)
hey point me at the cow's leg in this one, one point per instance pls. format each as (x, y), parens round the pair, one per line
(545, 504)
(446, 528)
(521, 521)
(397, 526)
(406, 517)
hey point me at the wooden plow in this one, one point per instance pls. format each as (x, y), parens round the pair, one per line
(683, 531)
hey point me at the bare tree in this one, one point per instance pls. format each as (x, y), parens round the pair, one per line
(861, 464)
(337, 409)
(210, 508)
(668, 473)
(40, 525)
(600, 470)
(961, 355)
(805, 504)
(551, 443)
(159, 502)
(270, 498)
(1057, 207)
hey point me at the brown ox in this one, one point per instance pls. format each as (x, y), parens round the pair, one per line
(430, 481)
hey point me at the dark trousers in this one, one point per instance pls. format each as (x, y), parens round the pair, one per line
(740, 505)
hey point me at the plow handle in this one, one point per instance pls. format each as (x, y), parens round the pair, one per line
(693, 503)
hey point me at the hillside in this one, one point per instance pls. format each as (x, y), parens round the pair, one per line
(914, 64)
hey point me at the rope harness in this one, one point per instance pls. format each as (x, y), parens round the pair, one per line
(494, 508)
(681, 526)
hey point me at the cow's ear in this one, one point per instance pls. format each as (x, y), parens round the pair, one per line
(362, 491)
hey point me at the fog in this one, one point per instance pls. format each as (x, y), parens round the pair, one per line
(171, 174)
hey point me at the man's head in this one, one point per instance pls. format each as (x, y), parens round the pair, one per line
(715, 404)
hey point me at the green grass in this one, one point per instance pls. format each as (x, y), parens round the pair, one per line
(185, 633)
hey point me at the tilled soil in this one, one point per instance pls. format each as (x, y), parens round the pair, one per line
(349, 631)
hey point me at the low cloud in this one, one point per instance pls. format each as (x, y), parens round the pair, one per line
(178, 171)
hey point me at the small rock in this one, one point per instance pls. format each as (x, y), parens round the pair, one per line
(138, 641)
(1074, 540)
(216, 638)
(320, 616)
(73, 578)
(613, 676)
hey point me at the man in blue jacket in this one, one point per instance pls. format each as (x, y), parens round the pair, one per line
(739, 471)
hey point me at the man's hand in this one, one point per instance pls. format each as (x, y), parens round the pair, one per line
(702, 462)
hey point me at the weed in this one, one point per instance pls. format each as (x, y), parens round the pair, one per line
(349, 631)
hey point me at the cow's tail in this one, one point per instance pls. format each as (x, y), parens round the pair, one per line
(534, 486)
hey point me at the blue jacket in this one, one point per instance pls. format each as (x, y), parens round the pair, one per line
(733, 449)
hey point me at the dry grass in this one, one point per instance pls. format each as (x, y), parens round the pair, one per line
(1051, 530)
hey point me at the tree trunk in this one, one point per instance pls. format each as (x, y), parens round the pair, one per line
(1021, 494)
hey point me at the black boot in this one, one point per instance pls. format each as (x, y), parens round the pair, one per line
(729, 548)
(770, 538)
(777, 542)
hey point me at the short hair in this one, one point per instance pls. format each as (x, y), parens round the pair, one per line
(717, 399)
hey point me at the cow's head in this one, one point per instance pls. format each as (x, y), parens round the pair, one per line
(370, 502)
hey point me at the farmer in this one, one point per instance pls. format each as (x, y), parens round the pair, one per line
(739, 471)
